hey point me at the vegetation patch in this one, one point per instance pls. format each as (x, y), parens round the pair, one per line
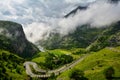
(95, 65)
(11, 66)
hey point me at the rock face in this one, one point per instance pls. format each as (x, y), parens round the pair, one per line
(12, 38)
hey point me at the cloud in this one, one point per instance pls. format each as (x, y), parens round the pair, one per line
(38, 9)
(99, 14)
(37, 17)
(37, 31)
(79, 1)
(41, 17)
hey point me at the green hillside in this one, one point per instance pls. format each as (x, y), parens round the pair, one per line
(82, 37)
(85, 36)
(109, 37)
(96, 63)
(56, 58)
(11, 67)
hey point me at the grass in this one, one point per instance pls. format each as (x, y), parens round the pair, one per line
(66, 52)
(95, 64)
(60, 51)
(40, 58)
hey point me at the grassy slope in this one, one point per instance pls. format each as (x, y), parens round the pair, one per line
(95, 64)
(11, 66)
(40, 58)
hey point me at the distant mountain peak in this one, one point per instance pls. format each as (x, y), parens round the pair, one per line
(75, 10)
(114, 1)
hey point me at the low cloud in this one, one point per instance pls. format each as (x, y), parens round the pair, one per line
(99, 14)
(41, 17)
(36, 31)
(5, 32)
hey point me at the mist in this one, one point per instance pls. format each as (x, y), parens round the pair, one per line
(99, 14)
(37, 31)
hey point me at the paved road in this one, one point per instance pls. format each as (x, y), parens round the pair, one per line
(48, 73)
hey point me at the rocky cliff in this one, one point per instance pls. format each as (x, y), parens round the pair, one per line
(12, 38)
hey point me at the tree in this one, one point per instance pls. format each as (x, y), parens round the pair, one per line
(52, 77)
(77, 74)
(54, 61)
(109, 73)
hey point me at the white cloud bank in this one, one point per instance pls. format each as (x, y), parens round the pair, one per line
(35, 34)
(99, 14)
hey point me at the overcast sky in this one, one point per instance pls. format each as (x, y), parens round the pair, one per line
(27, 11)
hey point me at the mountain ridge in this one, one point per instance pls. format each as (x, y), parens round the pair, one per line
(75, 11)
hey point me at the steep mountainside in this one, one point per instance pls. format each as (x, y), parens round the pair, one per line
(109, 38)
(81, 37)
(12, 38)
(85, 36)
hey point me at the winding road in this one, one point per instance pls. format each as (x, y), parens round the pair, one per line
(48, 73)
(45, 73)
